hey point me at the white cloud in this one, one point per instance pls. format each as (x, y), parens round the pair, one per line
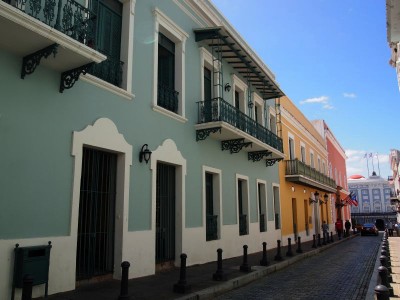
(349, 95)
(357, 164)
(327, 106)
(322, 99)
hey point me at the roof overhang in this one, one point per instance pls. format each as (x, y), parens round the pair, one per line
(240, 59)
(393, 20)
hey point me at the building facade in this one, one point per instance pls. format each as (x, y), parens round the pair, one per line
(337, 171)
(394, 160)
(373, 194)
(136, 131)
(306, 188)
(393, 34)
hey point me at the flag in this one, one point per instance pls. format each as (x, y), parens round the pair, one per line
(365, 155)
(370, 155)
(353, 198)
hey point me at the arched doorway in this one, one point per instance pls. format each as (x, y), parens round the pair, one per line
(380, 224)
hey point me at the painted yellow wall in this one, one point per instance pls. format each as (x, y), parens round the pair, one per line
(295, 197)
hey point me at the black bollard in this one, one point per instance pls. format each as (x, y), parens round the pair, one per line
(382, 292)
(319, 240)
(289, 250)
(388, 262)
(124, 281)
(383, 274)
(182, 286)
(331, 237)
(278, 255)
(383, 259)
(263, 261)
(245, 266)
(27, 287)
(299, 245)
(314, 245)
(219, 274)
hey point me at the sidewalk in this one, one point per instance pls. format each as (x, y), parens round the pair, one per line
(199, 277)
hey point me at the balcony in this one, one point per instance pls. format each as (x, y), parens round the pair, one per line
(61, 31)
(237, 131)
(299, 172)
(32, 26)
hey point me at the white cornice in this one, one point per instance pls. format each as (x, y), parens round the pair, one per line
(292, 121)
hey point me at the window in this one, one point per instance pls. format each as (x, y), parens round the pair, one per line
(323, 168)
(243, 206)
(262, 204)
(258, 109)
(312, 159)
(212, 197)
(169, 67)
(272, 123)
(277, 209)
(303, 153)
(240, 90)
(319, 164)
(291, 149)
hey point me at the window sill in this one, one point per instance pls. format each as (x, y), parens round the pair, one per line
(107, 86)
(170, 114)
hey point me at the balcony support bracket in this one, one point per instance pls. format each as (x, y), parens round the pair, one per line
(68, 78)
(270, 162)
(31, 61)
(202, 134)
(234, 146)
(257, 155)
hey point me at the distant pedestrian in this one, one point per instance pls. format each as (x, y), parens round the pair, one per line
(347, 225)
(339, 228)
(325, 229)
(390, 228)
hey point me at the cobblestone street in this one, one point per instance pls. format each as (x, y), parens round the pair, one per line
(338, 273)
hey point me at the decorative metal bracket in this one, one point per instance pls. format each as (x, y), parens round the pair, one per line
(68, 78)
(270, 162)
(31, 61)
(235, 145)
(257, 155)
(202, 134)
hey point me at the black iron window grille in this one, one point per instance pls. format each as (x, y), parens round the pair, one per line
(109, 70)
(218, 109)
(262, 223)
(243, 224)
(211, 227)
(277, 222)
(167, 98)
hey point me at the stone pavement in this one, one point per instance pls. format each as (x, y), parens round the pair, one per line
(394, 248)
(199, 277)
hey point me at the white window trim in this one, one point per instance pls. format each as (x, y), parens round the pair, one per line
(218, 192)
(240, 85)
(264, 204)
(319, 163)
(206, 60)
(303, 145)
(312, 157)
(170, 29)
(246, 198)
(291, 136)
(277, 186)
(260, 103)
(107, 86)
(103, 134)
(169, 153)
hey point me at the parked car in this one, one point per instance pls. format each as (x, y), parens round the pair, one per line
(369, 228)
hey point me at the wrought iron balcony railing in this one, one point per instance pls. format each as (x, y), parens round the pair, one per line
(262, 223)
(218, 109)
(67, 16)
(109, 70)
(296, 167)
(243, 224)
(211, 227)
(167, 98)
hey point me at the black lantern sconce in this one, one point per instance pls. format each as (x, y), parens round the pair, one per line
(227, 87)
(145, 154)
(325, 199)
(316, 198)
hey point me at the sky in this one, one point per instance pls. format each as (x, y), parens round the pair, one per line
(331, 58)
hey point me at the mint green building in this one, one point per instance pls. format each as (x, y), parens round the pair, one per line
(88, 90)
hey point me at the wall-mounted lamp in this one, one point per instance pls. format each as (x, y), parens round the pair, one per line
(145, 154)
(304, 191)
(325, 199)
(227, 87)
(316, 198)
(293, 189)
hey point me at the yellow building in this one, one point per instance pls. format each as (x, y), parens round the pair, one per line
(305, 186)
